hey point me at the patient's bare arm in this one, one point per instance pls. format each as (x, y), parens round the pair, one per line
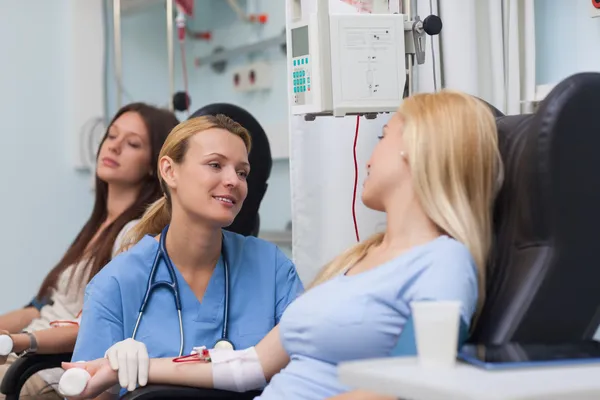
(16, 321)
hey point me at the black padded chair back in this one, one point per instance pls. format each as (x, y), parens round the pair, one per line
(543, 273)
(247, 221)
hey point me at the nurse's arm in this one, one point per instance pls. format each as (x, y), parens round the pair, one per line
(50, 341)
(271, 354)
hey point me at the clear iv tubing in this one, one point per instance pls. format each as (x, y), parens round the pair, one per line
(59, 323)
(180, 23)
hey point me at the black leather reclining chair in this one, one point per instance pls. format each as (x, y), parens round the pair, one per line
(246, 223)
(545, 266)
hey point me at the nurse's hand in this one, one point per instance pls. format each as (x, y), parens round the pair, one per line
(103, 377)
(131, 359)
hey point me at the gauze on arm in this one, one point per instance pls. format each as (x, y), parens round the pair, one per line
(237, 370)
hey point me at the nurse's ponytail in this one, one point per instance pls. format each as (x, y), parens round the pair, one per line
(158, 215)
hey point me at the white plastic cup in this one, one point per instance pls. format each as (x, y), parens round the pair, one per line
(436, 332)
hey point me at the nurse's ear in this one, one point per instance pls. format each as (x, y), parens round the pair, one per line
(168, 171)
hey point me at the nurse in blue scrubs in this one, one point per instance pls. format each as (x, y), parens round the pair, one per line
(203, 170)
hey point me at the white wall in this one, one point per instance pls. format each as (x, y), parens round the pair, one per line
(145, 78)
(44, 202)
(566, 39)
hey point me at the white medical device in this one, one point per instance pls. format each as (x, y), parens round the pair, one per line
(73, 382)
(343, 64)
(6, 345)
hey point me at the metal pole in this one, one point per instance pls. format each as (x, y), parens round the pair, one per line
(406, 7)
(117, 49)
(170, 58)
(411, 12)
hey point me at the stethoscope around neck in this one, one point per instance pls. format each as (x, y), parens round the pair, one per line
(173, 286)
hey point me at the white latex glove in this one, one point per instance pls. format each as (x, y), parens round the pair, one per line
(130, 359)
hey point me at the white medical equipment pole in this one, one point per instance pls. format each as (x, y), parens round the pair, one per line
(117, 48)
(407, 9)
(170, 56)
(415, 42)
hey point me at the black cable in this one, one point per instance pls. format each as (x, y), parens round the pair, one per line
(435, 86)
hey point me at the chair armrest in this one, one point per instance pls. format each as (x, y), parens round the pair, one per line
(155, 392)
(24, 367)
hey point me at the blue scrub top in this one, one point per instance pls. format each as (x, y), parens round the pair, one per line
(363, 316)
(263, 283)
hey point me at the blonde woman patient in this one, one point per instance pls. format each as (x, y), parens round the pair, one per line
(434, 173)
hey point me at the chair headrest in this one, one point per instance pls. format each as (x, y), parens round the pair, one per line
(548, 157)
(260, 160)
(546, 219)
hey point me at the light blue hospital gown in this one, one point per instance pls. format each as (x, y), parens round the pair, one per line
(362, 316)
(263, 283)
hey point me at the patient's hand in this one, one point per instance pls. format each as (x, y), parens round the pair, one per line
(103, 377)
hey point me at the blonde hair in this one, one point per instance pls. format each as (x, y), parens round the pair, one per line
(158, 215)
(452, 149)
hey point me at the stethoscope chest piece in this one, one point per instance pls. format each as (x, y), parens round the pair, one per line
(224, 344)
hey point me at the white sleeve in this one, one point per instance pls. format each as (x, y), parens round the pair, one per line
(121, 236)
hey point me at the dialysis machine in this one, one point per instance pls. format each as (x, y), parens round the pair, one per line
(351, 64)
